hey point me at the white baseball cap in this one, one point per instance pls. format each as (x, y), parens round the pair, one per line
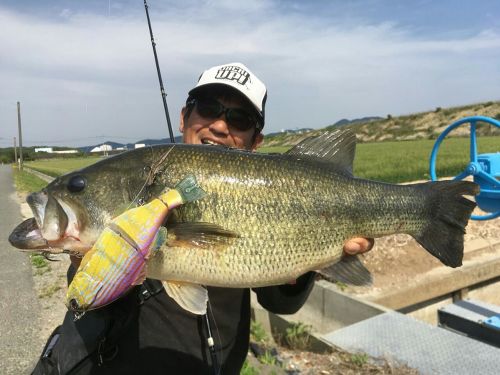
(239, 77)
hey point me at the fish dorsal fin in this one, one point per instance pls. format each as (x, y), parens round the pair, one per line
(349, 270)
(191, 297)
(199, 235)
(336, 146)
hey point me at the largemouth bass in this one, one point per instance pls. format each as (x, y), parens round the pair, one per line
(266, 219)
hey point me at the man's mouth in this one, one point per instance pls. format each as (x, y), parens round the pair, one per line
(206, 141)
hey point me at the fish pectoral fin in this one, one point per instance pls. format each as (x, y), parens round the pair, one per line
(202, 235)
(337, 147)
(191, 297)
(349, 270)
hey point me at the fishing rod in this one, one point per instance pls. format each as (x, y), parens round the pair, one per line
(163, 94)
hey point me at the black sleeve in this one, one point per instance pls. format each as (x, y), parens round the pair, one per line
(287, 298)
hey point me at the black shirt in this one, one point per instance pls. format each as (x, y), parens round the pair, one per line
(159, 337)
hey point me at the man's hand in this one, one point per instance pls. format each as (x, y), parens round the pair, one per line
(358, 245)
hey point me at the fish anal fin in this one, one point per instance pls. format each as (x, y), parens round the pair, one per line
(336, 146)
(191, 297)
(349, 270)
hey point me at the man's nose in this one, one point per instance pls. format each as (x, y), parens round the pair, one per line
(220, 125)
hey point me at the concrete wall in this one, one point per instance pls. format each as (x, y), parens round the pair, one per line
(326, 310)
(488, 291)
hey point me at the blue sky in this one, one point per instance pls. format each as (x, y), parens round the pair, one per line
(84, 70)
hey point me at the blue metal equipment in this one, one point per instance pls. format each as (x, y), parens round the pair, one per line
(485, 168)
(473, 318)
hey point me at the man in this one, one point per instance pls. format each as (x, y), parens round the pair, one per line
(155, 335)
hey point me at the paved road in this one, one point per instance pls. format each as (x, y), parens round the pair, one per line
(19, 308)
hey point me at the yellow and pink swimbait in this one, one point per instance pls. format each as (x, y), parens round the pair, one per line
(117, 260)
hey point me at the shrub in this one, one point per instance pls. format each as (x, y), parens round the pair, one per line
(298, 336)
(257, 332)
(247, 369)
(359, 359)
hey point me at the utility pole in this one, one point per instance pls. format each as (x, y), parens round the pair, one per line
(20, 136)
(15, 151)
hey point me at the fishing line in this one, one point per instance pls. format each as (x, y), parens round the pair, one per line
(211, 346)
(150, 178)
(216, 329)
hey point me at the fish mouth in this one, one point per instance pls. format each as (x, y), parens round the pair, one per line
(27, 235)
(49, 215)
(53, 227)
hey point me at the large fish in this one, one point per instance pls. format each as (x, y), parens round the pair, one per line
(266, 219)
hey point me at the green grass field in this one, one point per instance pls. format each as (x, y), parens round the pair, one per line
(27, 182)
(401, 161)
(273, 149)
(58, 167)
(405, 161)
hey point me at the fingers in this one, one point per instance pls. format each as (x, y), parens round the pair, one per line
(358, 245)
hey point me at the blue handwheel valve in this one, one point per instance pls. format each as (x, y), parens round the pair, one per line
(484, 168)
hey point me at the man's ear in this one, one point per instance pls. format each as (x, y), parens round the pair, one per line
(257, 141)
(181, 124)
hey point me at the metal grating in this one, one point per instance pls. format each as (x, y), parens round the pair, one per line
(430, 350)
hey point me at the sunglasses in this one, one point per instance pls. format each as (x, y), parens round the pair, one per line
(238, 118)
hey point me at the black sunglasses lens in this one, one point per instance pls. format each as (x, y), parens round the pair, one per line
(236, 117)
(209, 108)
(239, 118)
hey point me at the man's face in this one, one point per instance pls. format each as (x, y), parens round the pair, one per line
(199, 130)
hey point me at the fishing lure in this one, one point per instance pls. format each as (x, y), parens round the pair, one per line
(117, 261)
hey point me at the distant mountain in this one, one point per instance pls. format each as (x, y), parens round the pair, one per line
(421, 125)
(345, 121)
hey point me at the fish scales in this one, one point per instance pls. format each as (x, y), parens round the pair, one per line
(311, 216)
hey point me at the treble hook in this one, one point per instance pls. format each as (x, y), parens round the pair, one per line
(46, 255)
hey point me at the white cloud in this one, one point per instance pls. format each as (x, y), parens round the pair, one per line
(65, 13)
(317, 70)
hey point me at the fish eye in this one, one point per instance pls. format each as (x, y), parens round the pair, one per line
(76, 184)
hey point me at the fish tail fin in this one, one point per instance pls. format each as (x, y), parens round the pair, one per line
(449, 211)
